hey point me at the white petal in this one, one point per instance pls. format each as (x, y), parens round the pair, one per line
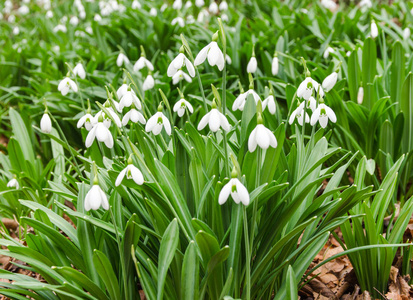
(274, 66)
(262, 137)
(101, 132)
(166, 124)
(224, 194)
(136, 175)
(189, 67)
(104, 200)
(91, 137)
(315, 116)
(151, 123)
(46, 124)
(204, 121)
(252, 65)
(330, 113)
(252, 143)
(243, 193)
(214, 120)
(202, 55)
(120, 177)
(323, 120)
(109, 140)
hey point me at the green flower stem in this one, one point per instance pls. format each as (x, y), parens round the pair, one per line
(247, 257)
(202, 89)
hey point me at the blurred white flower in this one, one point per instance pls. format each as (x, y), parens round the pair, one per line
(188, 4)
(228, 59)
(46, 123)
(87, 120)
(128, 98)
(23, 10)
(95, 198)
(141, 63)
(49, 14)
(374, 31)
(270, 103)
(163, 7)
(252, 65)
(214, 54)
(179, 21)
(157, 122)
(202, 15)
(190, 19)
(274, 66)
(131, 172)
(74, 21)
(79, 71)
(16, 30)
(237, 190)
(153, 12)
(149, 83)
(177, 63)
(406, 33)
(136, 4)
(11, 19)
(327, 52)
(13, 183)
(306, 88)
(134, 116)
(360, 95)
(199, 3)
(65, 85)
(181, 106)
(223, 5)
(122, 90)
(213, 8)
(263, 137)
(214, 119)
(312, 104)
(330, 81)
(179, 76)
(89, 30)
(329, 4)
(122, 59)
(366, 3)
(224, 17)
(101, 133)
(82, 14)
(61, 28)
(106, 120)
(97, 18)
(299, 114)
(240, 101)
(322, 114)
(177, 4)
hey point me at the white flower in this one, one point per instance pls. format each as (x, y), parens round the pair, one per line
(360, 95)
(177, 4)
(213, 8)
(141, 63)
(49, 14)
(122, 59)
(16, 30)
(179, 76)
(133, 115)
(180, 107)
(11, 18)
(214, 54)
(131, 172)
(177, 63)
(102, 134)
(224, 17)
(13, 183)
(65, 85)
(60, 27)
(79, 70)
(153, 12)
(136, 4)
(298, 113)
(262, 137)
(106, 120)
(190, 19)
(329, 4)
(46, 123)
(157, 122)
(23, 10)
(188, 4)
(330, 81)
(328, 51)
(97, 18)
(374, 31)
(240, 101)
(122, 90)
(306, 88)
(95, 198)
(322, 114)
(238, 191)
(163, 7)
(252, 65)
(128, 98)
(179, 21)
(88, 120)
(366, 3)
(223, 6)
(214, 119)
(270, 103)
(74, 21)
(406, 33)
(274, 66)
(202, 15)
(199, 3)
(82, 14)
(312, 104)
(148, 83)
(228, 59)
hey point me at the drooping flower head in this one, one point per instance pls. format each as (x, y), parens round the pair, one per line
(215, 119)
(261, 135)
(236, 189)
(299, 114)
(66, 85)
(322, 114)
(101, 132)
(96, 197)
(213, 53)
(157, 122)
(178, 63)
(131, 172)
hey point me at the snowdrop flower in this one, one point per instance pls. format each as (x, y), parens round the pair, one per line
(16, 30)
(181, 106)
(101, 133)
(263, 137)
(23, 10)
(128, 98)
(46, 123)
(11, 18)
(131, 172)
(306, 88)
(63, 19)
(179, 76)
(202, 15)
(322, 114)
(74, 21)
(327, 52)
(177, 4)
(79, 71)
(141, 63)
(136, 4)
(163, 7)
(406, 33)
(188, 4)
(49, 14)
(214, 54)
(134, 116)
(95, 198)
(153, 12)
(241, 100)
(237, 190)
(228, 59)
(178, 62)
(149, 83)
(190, 19)
(366, 3)
(199, 3)
(122, 90)
(252, 65)
(87, 120)
(223, 6)
(157, 122)
(299, 114)
(122, 59)
(213, 8)
(214, 119)
(82, 14)
(89, 30)
(179, 21)
(65, 85)
(330, 81)
(312, 104)
(97, 18)
(360, 95)
(61, 28)
(224, 17)
(374, 31)
(329, 4)
(274, 66)
(13, 183)
(106, 119)
(270, 103)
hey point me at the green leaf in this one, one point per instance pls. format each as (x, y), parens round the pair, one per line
(105, 271)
